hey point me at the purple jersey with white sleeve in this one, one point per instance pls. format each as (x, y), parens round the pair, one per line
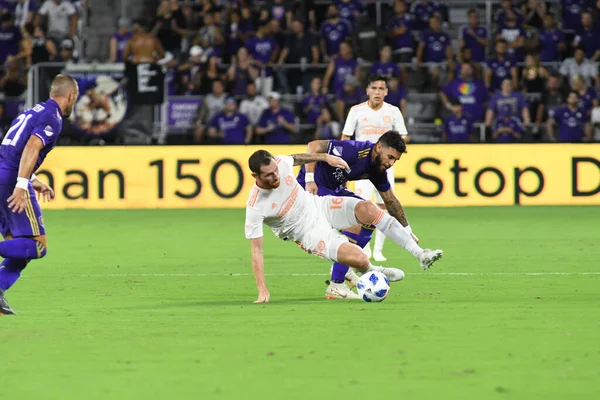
(389, 68)
(331, 181)
(435, 45)
(43, 121)
(549, 41)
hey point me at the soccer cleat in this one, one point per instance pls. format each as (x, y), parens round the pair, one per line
(4, 307)
(393, 274)
(351, 278)
(378, 256)
(428, 257)
(339, 291)
(367, 250)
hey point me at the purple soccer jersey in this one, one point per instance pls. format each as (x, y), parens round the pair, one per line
(334, 35)
(342, 68)
(571, 10)
(312, 106)
(396, 96)
(570, 123)
(549, 41)
(121, 43)
(330, 180)
(9, 42)
(43, 121)
(511, 105)
(458, 129)
(477, 49)
(280, 135)
(500, 71)
(435, 45)
(404, 41)
(471, 94)
(261, 49)
(389, 68)
(588, 39)
(510, 122)
(233, 126)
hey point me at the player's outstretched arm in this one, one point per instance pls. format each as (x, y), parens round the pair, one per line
(315, 146)
(18, 200)
(305, 158)
(258, 267)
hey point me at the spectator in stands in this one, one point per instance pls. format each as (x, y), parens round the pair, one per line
(552, 97)
(588, 97)
(400, 30)
(367, 39)
(334, 32)
(4, 120)
(67, 49)
(571, 13)
(533, 12)
(61, 18)
(435, 47)
(246, 24)
(169, 26)
(40, 48)
(241, 72)
(588, 37)
(514, 35)
(351, 95)
(350, 10)
(235, 37)
(253, 104)
(396, 94)
(385, 65)
(278, 35)
(263, 48)
(300, 48)
(551, 40)
(506, 6)
(25, 11)
(314, 102)
(507, 128)
(213, 104)
(339, 68)
(191, 72)
(172, 76)
(230, 126)
(142, 47)
(281, 11)
(500, 68)
(507, 102)
(12, 83)
(469, 92)
(423, 11)
(596, 123)
(571, 121)
(276, 123)
(465, 57)
(119, 40)
(458, 127)
(533, 81)
(474, 36)
(579, 65)
(327, 127)
(11, 40)
(212, 73)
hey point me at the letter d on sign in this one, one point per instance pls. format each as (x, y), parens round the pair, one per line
(575, 163)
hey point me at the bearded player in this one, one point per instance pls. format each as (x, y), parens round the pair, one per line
(25, 146)
(314, 222)
(367, 122)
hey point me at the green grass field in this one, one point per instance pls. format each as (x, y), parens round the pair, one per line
(158, 304)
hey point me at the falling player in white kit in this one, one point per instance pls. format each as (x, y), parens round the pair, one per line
(369, 121)
(314, 222)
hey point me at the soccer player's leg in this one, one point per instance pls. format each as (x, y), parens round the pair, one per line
(379, 236)
(364, 189)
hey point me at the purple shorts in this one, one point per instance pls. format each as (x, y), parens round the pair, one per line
(27, 223)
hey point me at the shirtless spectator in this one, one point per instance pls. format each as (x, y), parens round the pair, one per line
(142, 47)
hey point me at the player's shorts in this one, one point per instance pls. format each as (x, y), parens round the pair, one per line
(27, 223)
(323, 238)
(364, 188)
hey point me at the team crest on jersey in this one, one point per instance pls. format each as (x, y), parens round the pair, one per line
(48, 130)
(289, 180)
(273, 206)
(364, 119)
(337, 151)
(41, 221)
(321, 246)
(387, 119)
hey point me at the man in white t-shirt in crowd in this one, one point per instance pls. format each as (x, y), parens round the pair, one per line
(253, 105)
(314, 222)
(368, 121)
(62, 19)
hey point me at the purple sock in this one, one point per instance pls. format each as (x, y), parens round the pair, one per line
(22, 248)
(10, 271)
(365, 235)
(338, 273)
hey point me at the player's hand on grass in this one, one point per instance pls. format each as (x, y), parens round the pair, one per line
(46, 193)
(337, 162)
(311, 187)
(263, 297)
(18, 200)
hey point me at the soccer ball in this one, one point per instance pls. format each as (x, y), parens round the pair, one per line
(373, 286)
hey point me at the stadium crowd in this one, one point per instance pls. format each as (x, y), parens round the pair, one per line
(530, 75)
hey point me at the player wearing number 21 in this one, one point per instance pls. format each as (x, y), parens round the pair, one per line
(26, 144)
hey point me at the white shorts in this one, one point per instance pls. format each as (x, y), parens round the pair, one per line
(364, 188)
(323, 238)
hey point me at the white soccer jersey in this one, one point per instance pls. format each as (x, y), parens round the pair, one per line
(288, 210)
(369, 124)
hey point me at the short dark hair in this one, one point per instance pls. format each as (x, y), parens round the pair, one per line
(574, 92)
(394, 140)
(501, 40)
(376, 77)
(471, 11)
(258, 159)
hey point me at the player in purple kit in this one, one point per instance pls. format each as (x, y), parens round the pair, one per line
(24, 147)
(334, 31)
(385, 65)
(458, 127)
(366, 161)
(551, 40)
(230, 126)
(500, 68)
(474, 36)
(571, 122)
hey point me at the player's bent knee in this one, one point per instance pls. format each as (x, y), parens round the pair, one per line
(366, 212)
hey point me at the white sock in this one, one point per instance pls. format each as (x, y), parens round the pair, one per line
(391, 228)
(379, 239)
